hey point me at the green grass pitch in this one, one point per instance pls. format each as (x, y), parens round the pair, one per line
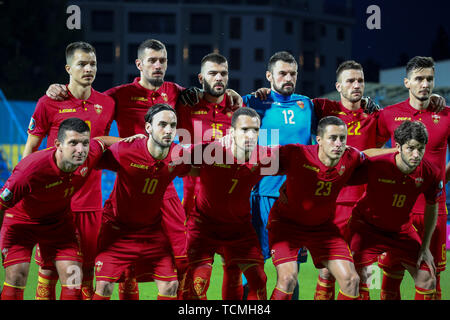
(307, 279)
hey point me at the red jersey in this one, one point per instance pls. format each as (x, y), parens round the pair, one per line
(225, 186)
(38, 190)
(438, 127)
(311, 187)
(391, 194)
(97, 111)
(205, 121)
(140, 183)
(361, 134)
(133, 101)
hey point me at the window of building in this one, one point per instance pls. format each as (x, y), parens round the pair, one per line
(309, 33)
(102, 20)
(309, 61)
(201, 23)
(289, 27)
(103, 81)
(323, 30)
(235, 59)
(132, 52)
(143, 22)
(340, 34)
(197, 52)
(259, 24)
(169, 77)
(104, 52)
(258, 83)
(339, 60)
(235, 28)
(235, 84)
(171, 54)
(259, 54)
(323, 60)
(193, 80)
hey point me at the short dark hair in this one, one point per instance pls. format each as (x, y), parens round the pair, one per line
(418, 63)
(74, 124)
(326, 121)
(150, 44)
(347, 65)
(79, 45)
(213, 57)
(244, 111)
(153, 110)
(281, 55)
(409, 130)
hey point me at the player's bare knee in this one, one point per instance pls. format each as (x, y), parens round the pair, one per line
(425, 280)
(169, 288)
(287, 280)
(104, 288)
(325, 274)
(16, 277)
(349, 281)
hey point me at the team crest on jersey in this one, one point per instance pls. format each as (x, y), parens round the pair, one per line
(300, 104)
(229, 114)
(164, 96)
(32, 124)
(84, 171)
(6, 195)
(436, 118)
(98, 266)
(341, 170)
(418, 182)
(98, 108)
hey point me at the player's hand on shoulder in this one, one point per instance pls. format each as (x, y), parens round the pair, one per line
(437, 103)
(57, 92)
(368, 105)
(190, 96)
(235, 99)
(132, 138)
(261, 93)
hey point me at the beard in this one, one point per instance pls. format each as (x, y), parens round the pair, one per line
(283, 90)
(156, 82)
(160, 142)
(352, 99)
(213, 92)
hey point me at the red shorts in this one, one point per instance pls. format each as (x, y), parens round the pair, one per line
(174, 225)
(368, 242)
(87, 226)
(238, 243)
(437, 245)
(324, 242)
(148, 248)
(58, 239)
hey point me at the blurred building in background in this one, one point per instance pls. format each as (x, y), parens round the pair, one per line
(247, 32)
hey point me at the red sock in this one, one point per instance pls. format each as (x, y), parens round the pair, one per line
(344, 296)
(10, 292)
(128, 289)
(100, 297)
(423, 294)
(390, 286)
(278, 294)
(257, 279)
(200, 281)
(87, 286)
(164, 297)
(325, 289)
(70, 293)
(364, 292)
(232, 288)
(438, 295)
(46, 287)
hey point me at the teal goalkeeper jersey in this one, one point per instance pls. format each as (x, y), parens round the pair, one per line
(284, 120)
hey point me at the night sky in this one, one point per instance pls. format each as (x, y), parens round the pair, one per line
(407, 27)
